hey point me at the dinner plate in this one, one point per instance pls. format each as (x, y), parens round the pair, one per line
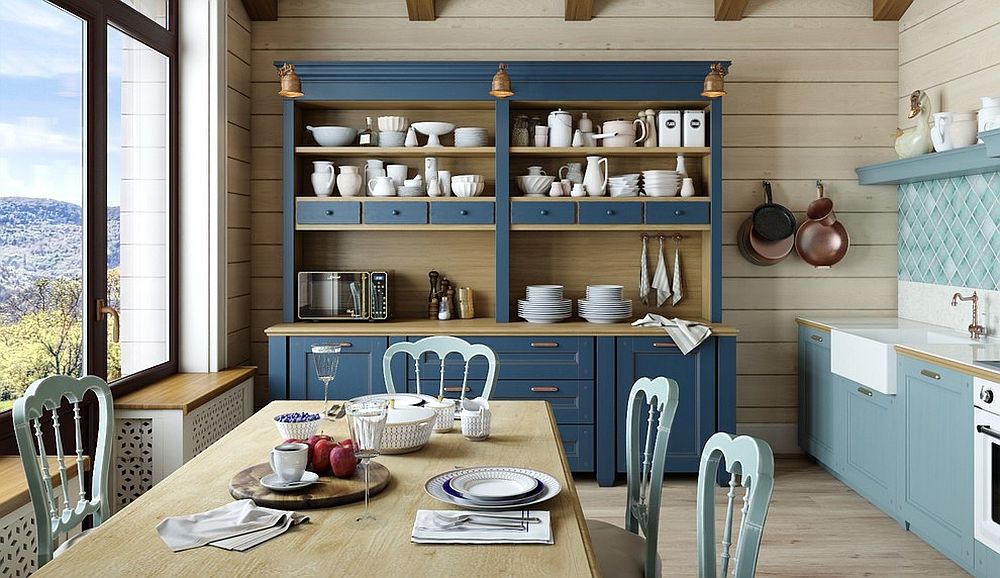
(457, 497)
(398, 399)
(494, 485)
(435, 487)
(273, 482)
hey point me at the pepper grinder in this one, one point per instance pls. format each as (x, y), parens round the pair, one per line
(650, 119)
(432, 297)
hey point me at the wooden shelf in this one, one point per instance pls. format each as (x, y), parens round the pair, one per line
(477, 326)
(610, 151)
(411, 227)
(317, 151)
(314, 199)
(612, 227)
(615, 199)
(954, 163)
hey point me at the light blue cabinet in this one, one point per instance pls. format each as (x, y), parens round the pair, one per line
(821, 408)
(869, 455)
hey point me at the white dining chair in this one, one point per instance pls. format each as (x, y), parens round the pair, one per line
(56, 514)
(442, 346)
(632, 551)
(752, 461)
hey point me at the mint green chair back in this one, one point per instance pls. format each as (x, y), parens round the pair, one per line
(653, 401)
(46, 395)
(442, 346)
(752, 461)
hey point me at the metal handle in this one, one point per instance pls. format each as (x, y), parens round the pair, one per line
(345, 344)
(463, 212)
(985, 430)
(544, 344)
(545, 388)
(543, 212)
(865, 391)
(458, 389)
(329, 212)
(678, 212)
(664, 344)
(610, 212)
(930, 374)
(395, 211)
(104, 309)
(815, 337)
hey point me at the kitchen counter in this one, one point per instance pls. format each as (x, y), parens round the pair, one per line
(478, 326)
(958, 356)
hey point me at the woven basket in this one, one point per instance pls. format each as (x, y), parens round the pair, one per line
(300, 430)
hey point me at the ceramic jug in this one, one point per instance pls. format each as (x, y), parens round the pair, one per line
(536, 171)
(349, 181)
(989, 114)
(381, 187)
(560, 128)
(595, 181)
(941, 133)
(621, 133)
(574, 172)
(323, 178)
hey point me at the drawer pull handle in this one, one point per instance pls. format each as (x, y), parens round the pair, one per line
(930, 374)
(610, 212)
(395, 211)
(458, 389)
(463, 212)
(678, 212)
(345, 344)
(544, 344)
(865, 391)
(545, 388)
(816, 338)
(329, 212)
(543, 212)
(664, 344)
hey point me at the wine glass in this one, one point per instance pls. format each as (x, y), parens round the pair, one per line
(326, 357)
(366, 420)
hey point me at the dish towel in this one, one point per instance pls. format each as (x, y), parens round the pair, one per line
(686, 334)
(643, 275)
(660, 280)
(240, 523)
(678, 286)
(427, 530)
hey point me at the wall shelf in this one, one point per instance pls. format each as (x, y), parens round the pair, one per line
(419, 151)
(971, 160)
(424, 199)
(676, 199)
(610, 151)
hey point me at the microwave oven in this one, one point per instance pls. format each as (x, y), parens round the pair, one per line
(343, 295)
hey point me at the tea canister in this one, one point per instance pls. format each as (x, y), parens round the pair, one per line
(560, 128)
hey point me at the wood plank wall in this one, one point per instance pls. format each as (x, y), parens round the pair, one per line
(237, 185)
(812, 94)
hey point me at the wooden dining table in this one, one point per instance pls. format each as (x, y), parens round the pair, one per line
(523, 434)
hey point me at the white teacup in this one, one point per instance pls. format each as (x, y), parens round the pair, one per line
(288, 461)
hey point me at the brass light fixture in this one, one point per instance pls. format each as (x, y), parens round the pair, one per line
(715, 84)
(501, 83)
(291, 85)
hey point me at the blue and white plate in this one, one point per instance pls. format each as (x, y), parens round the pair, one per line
(492, 486)
(436, 488)
(398, 399)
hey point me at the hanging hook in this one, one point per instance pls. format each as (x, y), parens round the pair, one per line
(678, 238)
(644, 236)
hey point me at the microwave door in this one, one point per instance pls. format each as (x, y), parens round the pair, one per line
(356, 297)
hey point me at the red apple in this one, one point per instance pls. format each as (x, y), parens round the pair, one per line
(342, 462)
(321, 455)
(349, 444)
(311, 442)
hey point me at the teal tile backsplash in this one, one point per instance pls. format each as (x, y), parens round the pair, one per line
(949, 231)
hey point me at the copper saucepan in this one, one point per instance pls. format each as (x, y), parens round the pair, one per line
(821, 241)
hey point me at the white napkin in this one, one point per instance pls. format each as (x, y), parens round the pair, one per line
(247, 541)
(678, 286)
(686, 334)
(660, 280)
(643, 275)
(425, 530)
(237, 519)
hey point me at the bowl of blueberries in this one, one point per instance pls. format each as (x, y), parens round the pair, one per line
(297, 425)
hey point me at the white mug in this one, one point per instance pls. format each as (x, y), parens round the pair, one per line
(397, 173)
(476, 419)
(288, 461)
(444, 177)
(381, 187)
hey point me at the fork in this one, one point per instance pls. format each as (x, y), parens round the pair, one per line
(456, 519)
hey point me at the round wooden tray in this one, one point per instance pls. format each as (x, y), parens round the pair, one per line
(328, 491)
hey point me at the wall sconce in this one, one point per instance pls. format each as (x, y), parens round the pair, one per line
(715, 84)
(501, 83)
(291, 85)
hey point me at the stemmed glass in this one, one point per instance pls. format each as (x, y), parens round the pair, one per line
(367, 422)
(326, 357)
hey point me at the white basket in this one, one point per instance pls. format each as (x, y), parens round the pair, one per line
(300, 430)
(407, 437)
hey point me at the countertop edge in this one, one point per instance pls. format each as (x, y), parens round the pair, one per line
(478, 327)
(814, 324)
(949, 363)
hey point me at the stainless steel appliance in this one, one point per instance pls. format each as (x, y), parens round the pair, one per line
(343, 295)
(987, 462)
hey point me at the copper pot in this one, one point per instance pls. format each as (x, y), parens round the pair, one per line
(821, 241)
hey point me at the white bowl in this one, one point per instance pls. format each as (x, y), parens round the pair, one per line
(407, 429)
(534, 184)
(467, 179)
(333, 136)
(433, 130)
(298, 430)
(392, 124)
(467, 189)
(391, 138)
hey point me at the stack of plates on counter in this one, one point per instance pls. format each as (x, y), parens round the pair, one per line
(545, 304)
(604, 304)
(493, 487)
(624, 185)
(414, 191)
(661, 183)
(471, 136)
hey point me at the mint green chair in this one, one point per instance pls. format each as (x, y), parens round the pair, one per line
(632, 551)
(47, 395)
(442, 346)
(750, 459)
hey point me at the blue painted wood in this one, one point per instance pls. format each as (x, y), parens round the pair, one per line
(531, 358)
(542, 213)
(991, 138)
(572, 402)
(502, 242)
(932, 166)
(359, 371)
(606, 448)
(821, 405)
(725, 403)
(869, 464)
(328, 213)
(680, 213)
(987, 561)
(461, 213)
(611, 212)
(396, 213)
(289, 263)
(578, 442)
(715, 142)
(936, 456)
(277, 368)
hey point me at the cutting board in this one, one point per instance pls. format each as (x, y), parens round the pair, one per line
(328, 491)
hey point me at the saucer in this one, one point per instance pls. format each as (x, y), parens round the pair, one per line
(273, 482)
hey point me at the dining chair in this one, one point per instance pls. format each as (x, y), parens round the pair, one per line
(752, 461)
(632, 551)
(442, 346)
(54, 514)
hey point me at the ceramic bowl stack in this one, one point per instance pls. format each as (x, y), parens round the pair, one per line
(545, 304)
(467, 185)
(471, 136)
(624, 185)
(392, 131)
(661, 183)
(410, 191)
(391, 138)
(604, 304)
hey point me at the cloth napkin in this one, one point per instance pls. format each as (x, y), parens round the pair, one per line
(234, 524)
(660, 280)
(644, 275)
(686, 334)
(425, 530)
(678, 286)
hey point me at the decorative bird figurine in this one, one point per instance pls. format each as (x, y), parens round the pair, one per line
(916, 140)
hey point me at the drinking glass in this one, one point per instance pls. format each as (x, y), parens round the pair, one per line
(366, 420)
(326, 357)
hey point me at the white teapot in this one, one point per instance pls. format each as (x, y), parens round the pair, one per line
(621, 133)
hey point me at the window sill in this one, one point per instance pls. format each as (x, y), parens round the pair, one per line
(14, 488)
(185, 391)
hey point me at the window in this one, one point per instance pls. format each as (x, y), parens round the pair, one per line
(87, 191)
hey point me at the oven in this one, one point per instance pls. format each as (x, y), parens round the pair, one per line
(987, 463)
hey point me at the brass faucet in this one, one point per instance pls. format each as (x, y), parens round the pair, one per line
(976, 331)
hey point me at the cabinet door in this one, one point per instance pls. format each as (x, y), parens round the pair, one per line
(694, 373)
(359, 371)
(820, 400)
(936, 451)
(870, 450)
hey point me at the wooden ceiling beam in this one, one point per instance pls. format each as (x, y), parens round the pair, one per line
(730, 9)
(261, 9)
(579, 10)
(889, 9)
(420, 10)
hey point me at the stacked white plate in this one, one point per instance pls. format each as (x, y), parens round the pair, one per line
(604, 304)
(661, 183)
(471, 136)
(414, 191)
(545, 304)
(493, 487)
(624, 185)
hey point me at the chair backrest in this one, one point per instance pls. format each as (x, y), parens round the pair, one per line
(442, 345)
(752, 460)
(651, 402)
(47, 395)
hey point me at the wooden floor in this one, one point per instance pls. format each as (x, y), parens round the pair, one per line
(816, 526)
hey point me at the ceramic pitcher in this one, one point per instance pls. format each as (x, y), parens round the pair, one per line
(560, 128)
(349, 181)
(941, 133)
(323, 178)
(594, 180)
(573, 172)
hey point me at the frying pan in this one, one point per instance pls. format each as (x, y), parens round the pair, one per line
(748, 252)
(771, 221)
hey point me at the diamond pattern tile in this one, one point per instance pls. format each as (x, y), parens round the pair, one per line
(949, 231)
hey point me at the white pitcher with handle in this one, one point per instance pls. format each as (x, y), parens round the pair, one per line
(941, 132)
(594, 180)
(323, 178)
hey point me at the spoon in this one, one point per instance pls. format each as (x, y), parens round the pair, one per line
(456, 519)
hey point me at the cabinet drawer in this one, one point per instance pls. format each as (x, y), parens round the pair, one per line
(407, 213)
(572, 400)
(578, 443)
(544, 213)
(327, 212)
(530, 358)
(460, 213)
(611, 212)
(677, 213)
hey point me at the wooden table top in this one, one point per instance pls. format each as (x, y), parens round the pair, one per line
(185, 391)
(332, 543)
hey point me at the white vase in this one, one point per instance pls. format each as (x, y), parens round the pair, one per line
(349, 181)
(323, 183)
